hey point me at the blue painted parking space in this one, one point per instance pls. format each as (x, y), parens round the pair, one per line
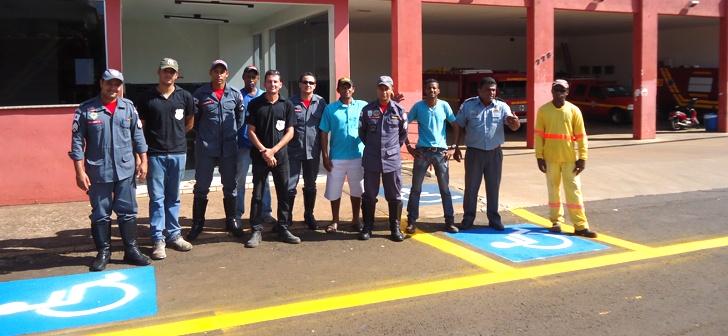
(430, 195)
(524, 242)
(30, 306)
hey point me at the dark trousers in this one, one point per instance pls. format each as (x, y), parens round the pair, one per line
(204, 169)
(280, 175)
(119, 197)
(481, 164)
(310, 171)
(392, 183)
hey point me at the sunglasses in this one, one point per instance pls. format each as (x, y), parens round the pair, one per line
(307, 82)
(272, 72)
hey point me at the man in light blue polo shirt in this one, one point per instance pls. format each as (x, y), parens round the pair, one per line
(431, 115)
(483, 119)
(343, 159)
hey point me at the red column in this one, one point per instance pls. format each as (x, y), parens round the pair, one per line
(407, 55)
(113, 34)
(645, 70)
(540, 59)
(723, 72)
(342, 67)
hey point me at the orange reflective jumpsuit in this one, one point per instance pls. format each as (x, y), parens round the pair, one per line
(556, 132)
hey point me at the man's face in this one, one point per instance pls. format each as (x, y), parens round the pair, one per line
(487, 92)
(384, 93)
(272, 83)
(218, 75)
(432, 90)
(346, 91)
(250, 79)
(306, 85)
(559, 93)
(167, 76)
(110, 89)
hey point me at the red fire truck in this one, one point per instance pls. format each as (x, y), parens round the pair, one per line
(677, 86)
(456, 85)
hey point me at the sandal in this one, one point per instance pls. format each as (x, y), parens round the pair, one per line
(332, 228)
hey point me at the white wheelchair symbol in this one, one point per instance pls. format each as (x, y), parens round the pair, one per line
(518, 239)
(75, 296)
(427, 197)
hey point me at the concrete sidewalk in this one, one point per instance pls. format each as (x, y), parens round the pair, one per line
(618, 167)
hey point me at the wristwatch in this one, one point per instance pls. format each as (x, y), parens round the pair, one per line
(453, 146)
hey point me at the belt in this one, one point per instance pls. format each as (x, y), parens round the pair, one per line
(431, 149)
(487, 150)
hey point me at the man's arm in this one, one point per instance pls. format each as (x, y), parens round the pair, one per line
(455, 152)
(82, 180)
(324, 140)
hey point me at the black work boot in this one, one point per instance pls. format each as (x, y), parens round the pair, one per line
(101, 232)
(367, 212)
(291, 200)
(132, 255)
(231, 223)
(309, 202)
(199, 206)
(395, 213)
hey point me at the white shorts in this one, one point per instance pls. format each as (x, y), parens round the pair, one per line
(344, 169)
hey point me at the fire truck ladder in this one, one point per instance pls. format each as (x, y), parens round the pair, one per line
(567, 57)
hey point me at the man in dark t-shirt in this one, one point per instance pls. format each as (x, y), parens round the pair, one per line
(270, 127)
(167, 113)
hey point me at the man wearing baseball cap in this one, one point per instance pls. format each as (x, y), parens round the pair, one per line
(383, 130)
(167, 113)
(558, 124)
(109, 152)
(220, 113)
(342, 160)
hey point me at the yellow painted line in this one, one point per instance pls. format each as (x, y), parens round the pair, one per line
(536, 219)
(210, 323)
(461, 252)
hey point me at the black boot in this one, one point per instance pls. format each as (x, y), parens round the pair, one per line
(231, 223)
(395, 213)
(367, 212)
(199, 206)
(132, 255)
(309, 202)
(101, 232)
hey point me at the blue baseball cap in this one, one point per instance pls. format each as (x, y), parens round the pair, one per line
(110, 74)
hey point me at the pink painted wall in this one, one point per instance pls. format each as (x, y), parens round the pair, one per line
(34, 166)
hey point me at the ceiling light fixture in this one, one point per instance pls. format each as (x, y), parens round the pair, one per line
(195, 17)
(213, 2)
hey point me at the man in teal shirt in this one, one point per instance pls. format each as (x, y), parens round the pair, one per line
(431, 115)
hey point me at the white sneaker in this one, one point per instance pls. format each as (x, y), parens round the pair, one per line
(159, 250)
(180, 244)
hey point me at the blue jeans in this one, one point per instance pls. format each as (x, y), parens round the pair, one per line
(442, 171)
(163, 181)
(243, 167)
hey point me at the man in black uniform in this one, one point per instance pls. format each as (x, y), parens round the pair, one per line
(270, 127)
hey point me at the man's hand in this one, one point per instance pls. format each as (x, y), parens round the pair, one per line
(82, 181)
(457, 155)
(414, 152)
(513, 122)
(580, 166)
(328, 164)
(272, 162)
(399, 97)
(268, 153)
(141, 168)
(541, 165)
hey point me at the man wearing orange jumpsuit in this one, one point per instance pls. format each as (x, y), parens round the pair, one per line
(558, 125)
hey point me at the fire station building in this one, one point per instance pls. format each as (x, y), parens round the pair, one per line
(54, 51)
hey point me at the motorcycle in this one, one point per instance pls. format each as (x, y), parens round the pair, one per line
(679, 118)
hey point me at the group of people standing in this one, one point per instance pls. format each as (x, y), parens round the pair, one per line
(115, 142)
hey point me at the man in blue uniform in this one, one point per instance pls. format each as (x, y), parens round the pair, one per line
(270, 127)
(483, 119)
(249, 92)
(108, 152)
(432, 115)
(167, 112)
(220, 112)
(304, 150)
(382, 129)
